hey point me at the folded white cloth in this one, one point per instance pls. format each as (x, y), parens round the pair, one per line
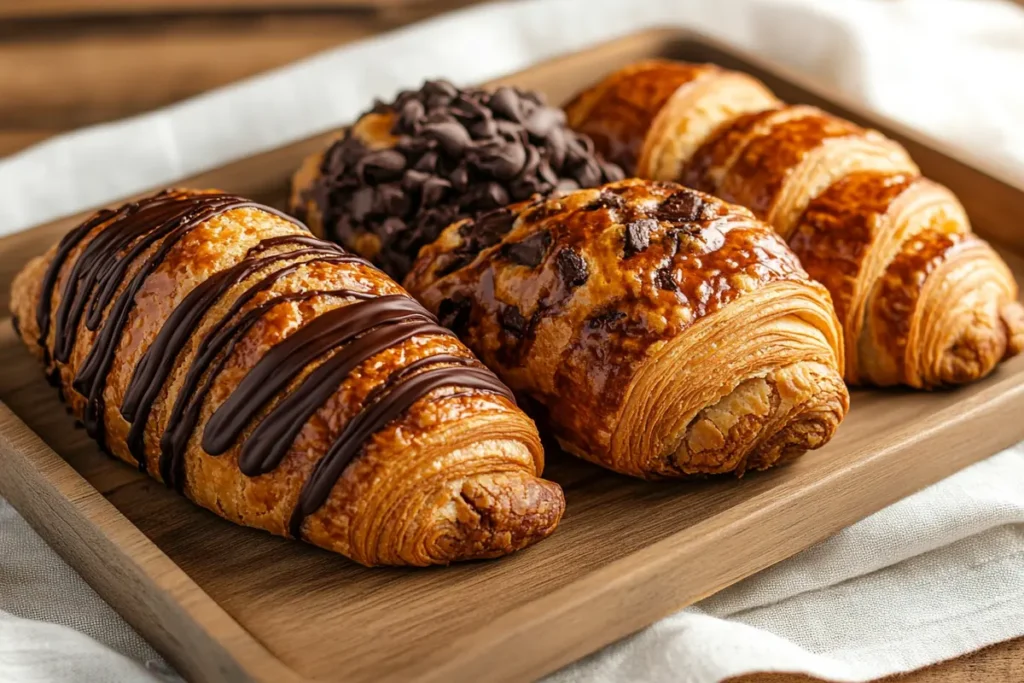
(934, 576)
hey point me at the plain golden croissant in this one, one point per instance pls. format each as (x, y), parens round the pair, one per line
(282, 383)
(664, 332)
(923, 301)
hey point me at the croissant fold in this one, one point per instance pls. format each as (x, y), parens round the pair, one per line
(282, 383)
(923, 302)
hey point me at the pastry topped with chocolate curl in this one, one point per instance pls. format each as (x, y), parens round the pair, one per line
(407, 169)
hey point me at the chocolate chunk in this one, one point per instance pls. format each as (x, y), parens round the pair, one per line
(361, 203)
(542, 121)
(541, 211)
(460, 178)
(606, 200)
(427, 163)
(605, 320)
(513, 321)
(578, 149)
(440, 87)
(684, 206)
(665, 280)
(381, 166)
(524, 188)
(588, 174)
(572, 268)
(412, 112)
(449, 263)
(530, 252)
(503, 161)
(434, 190)
(484, 129)
(638, 236)
(453, 138)
(455, 314)
(390, 199)
(556, 147)
(505, 102)
(487, 196)
(488, 230)
(414, 179)
(547, 174)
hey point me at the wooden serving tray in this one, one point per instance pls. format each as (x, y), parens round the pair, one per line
(227, 603)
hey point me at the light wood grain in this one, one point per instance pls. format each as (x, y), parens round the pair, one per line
(627, 552)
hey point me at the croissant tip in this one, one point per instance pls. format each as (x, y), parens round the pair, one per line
(497, 514)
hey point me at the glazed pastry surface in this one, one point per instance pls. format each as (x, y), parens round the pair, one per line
(282, 383)
(923, 302)
(664, 332)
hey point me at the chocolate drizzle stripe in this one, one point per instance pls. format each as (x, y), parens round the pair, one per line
(268, 444)
(64, 249)
(390, 405)
(189, 402)
(283, 362)
(152, 371)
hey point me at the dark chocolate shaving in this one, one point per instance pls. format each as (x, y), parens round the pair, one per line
(459, 154)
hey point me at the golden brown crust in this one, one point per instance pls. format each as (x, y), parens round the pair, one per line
(617, 112)
(776, 162)
(632, 310)
(852, 206)
(454, 477)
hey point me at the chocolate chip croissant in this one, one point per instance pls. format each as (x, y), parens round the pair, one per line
(664, 332)
(409, 168)
(282, 383)
(923, 302)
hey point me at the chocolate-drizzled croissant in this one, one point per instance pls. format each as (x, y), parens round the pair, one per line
(664, 332)
(282, 383)
(923, 302)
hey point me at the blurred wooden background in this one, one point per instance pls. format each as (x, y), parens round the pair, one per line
(70, 63)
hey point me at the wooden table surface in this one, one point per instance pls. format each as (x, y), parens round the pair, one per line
(71, 63)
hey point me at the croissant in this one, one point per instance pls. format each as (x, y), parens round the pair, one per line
(282, 383)
(923, 302)
(663, 332)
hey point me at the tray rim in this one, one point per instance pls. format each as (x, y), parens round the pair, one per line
(501, 644)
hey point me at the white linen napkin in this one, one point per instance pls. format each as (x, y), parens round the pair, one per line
(934, 576)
